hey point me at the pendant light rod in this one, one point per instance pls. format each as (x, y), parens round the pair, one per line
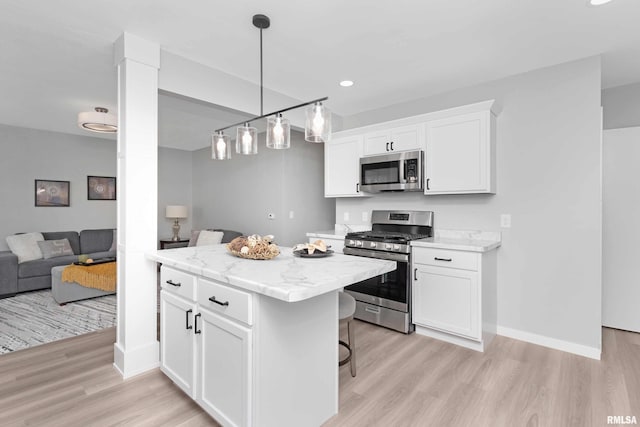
(261, 87)
(262, 116)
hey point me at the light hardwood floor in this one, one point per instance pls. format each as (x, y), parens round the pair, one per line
(402, 381)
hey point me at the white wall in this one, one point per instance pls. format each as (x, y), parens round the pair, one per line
(174, 188)
(29, 154)
(621, 106)
(548, 179)
(239, 193)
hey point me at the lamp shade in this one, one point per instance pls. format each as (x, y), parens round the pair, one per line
(220, 146)
(247, 140)
(318, 124)
(278, 133)
(98, 121)
(175, 211)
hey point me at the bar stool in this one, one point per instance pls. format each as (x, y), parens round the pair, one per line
(346, 309)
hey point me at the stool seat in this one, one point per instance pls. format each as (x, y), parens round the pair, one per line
(346, 310)
(346, 305)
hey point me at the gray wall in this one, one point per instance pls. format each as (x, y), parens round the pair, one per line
(29, 154)
(621, 106)
(548, 179)
(174, 188)
(239, 193)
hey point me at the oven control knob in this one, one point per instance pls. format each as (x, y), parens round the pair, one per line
(372, 244)
(388, 246)
(358, 243)
(351, 243)
(396, 247)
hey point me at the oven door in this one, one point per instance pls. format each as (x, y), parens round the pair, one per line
(390, 290)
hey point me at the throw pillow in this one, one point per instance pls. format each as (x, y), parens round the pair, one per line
(25, 246)
(114, 242)
(193, 240)
(55, 248)
(209, 238)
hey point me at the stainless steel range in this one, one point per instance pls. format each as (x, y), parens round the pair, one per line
(386, 299)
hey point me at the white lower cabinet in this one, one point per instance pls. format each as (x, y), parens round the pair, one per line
(177, 346)
(248, 359)
(454, 295)
(225, 369)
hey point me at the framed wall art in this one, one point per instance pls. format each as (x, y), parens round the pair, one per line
(52, 193)
(101, 188)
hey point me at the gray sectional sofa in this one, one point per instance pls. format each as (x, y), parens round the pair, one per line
(33, 275)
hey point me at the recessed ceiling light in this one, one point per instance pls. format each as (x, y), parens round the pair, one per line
(597, 2)
(346, 83)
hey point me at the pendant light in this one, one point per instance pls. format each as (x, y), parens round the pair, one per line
(317, 125)
(220, 146)
(278, 132)
(247, 140)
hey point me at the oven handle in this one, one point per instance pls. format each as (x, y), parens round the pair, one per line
(377, 254)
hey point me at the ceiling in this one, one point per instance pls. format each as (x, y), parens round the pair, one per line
(57, 56)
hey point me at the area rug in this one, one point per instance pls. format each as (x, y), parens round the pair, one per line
(34, 318)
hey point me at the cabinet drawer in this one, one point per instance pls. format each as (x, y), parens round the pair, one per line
(230, 302)
(445, 258)
(178, 282)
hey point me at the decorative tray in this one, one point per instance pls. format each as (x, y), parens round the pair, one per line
(304, 253)
(95, 262)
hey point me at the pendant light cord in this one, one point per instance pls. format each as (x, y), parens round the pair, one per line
(261, 88)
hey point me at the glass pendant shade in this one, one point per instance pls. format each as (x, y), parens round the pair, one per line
(247, 140)
(318, 123)
(278, 133)
(220, 146)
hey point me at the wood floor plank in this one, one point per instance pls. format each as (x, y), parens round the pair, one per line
(402, 380)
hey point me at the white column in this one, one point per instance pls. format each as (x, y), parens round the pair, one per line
(138, 61)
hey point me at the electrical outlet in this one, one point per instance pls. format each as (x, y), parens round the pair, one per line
(505, 220)
(345, 216)
(291, 214)
(271, 215)
(365, 216)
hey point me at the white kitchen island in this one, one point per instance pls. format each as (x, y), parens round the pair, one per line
(255, 343)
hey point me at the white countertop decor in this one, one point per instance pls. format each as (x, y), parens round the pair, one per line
(286, 277)
(462, 240)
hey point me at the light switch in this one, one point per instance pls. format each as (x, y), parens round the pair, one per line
(345, 216)
(291, 214)
(505, 220)
(365, 216)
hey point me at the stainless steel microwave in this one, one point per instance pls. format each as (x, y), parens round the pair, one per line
(392, 172)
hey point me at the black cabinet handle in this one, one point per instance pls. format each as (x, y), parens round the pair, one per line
(187, 319)
(391, 145)
(442, 259)
(415, 274)
(171, 282)
(387, 146)
(224, 304)
(195, 320)
(357, 187)
(428, 183)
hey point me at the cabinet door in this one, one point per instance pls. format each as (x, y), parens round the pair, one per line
(447, 299)
(177, 341)
(225, 369)
(342, 167)
(404, 138)
(458, 155)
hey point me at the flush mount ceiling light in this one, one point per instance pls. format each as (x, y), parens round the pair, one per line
(98, 121)
(597, 2)
(317, 124)
(346, 83)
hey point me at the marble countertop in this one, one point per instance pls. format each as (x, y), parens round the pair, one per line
(286, 277)
(473, 241)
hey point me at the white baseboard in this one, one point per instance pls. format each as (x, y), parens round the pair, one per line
(137, 361)
(569, 347)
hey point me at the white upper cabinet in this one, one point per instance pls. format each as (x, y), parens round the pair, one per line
(405, 138)
(342, 167)
(460, 154)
